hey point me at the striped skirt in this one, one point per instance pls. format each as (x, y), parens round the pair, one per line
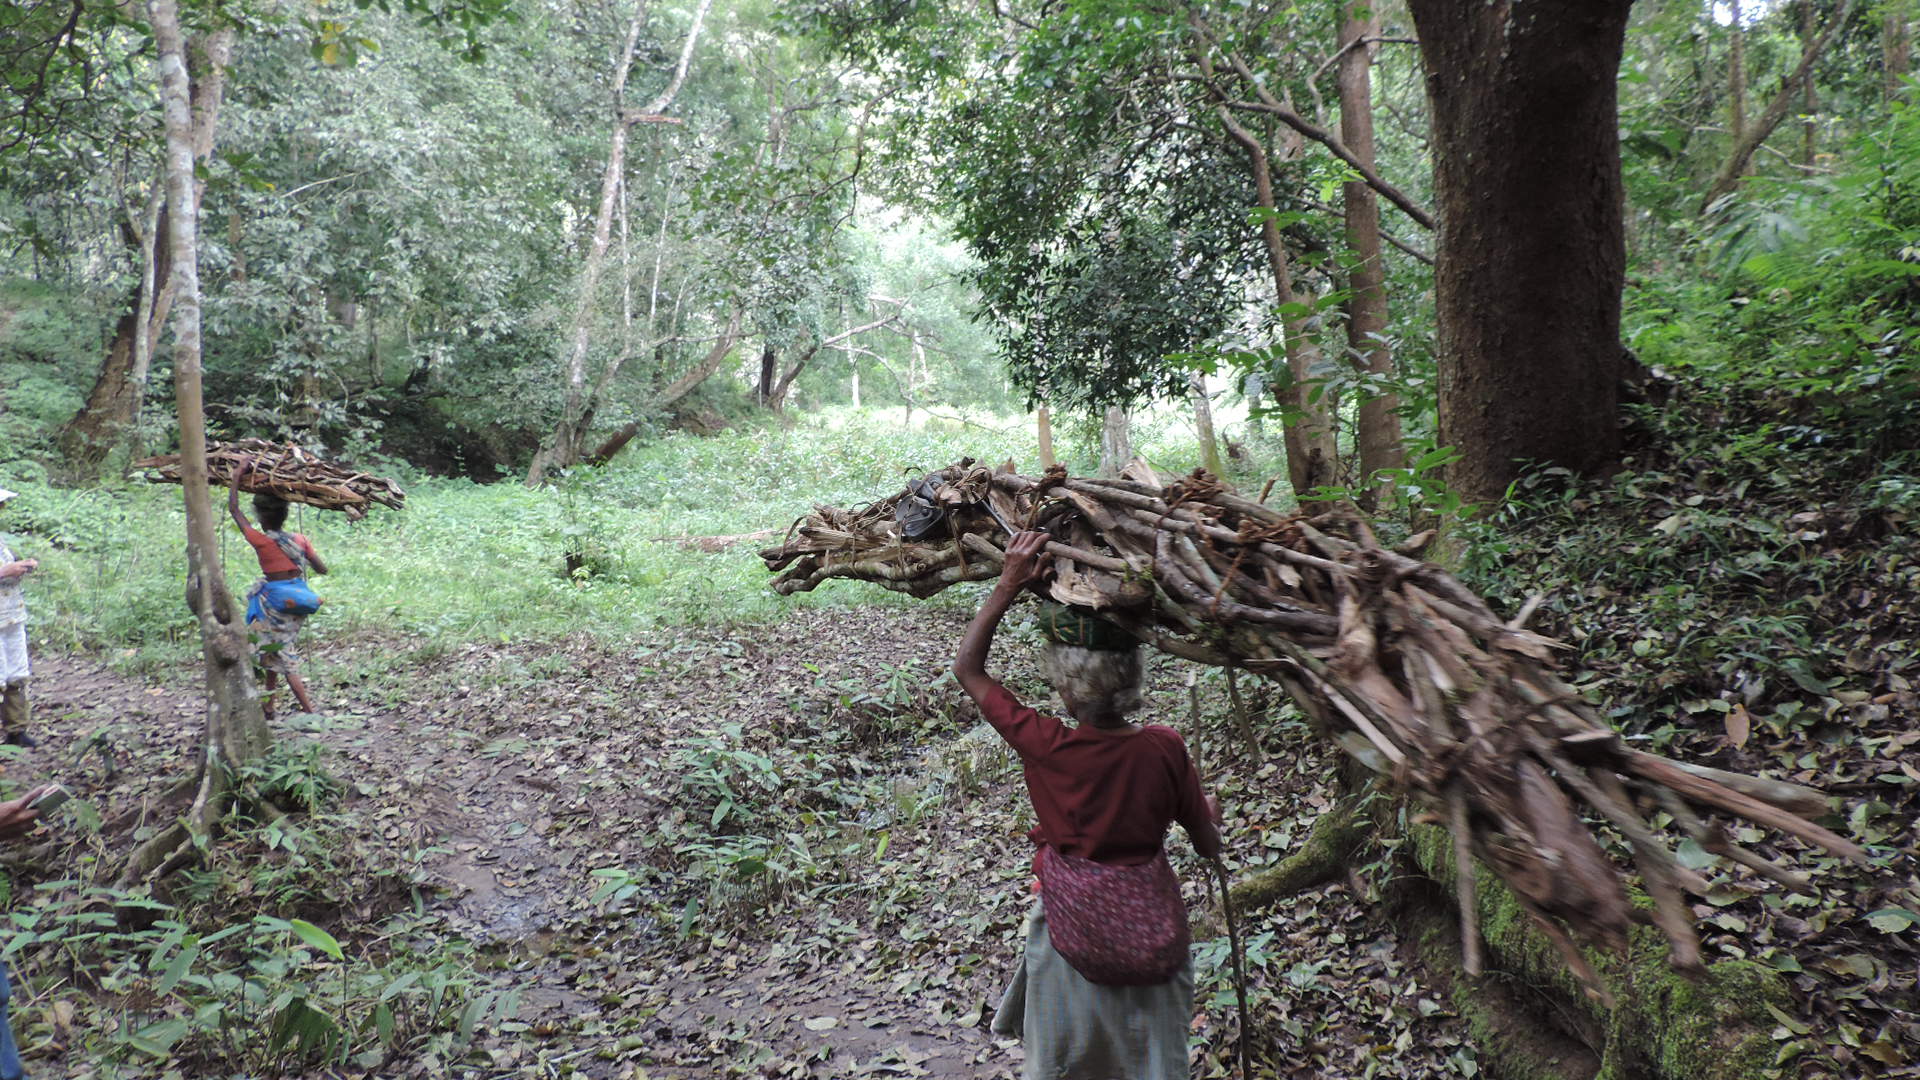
(1072, 1029)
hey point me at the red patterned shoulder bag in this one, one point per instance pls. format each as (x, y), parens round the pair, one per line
(1117, 925)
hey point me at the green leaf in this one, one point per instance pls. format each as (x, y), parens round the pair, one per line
(1692, 856)
(1893, 920)
(471, 1016)
(1786, 1021)
(179, 968)
(157, 1039)
(317, 938)
(1802, 675)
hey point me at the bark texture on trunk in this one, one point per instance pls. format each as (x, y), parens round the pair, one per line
(1377, 438)
(1116, 448)
(1203, 424)
(1531, 257)
(236, 730)
(1043, 422)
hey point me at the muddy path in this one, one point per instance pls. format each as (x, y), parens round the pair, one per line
(868, 928)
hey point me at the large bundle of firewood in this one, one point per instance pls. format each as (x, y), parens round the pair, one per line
(1391, 655)
(288, 471)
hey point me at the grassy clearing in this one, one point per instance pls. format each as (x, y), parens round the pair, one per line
(468, 562)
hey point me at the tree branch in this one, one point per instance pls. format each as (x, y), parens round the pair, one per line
(1756, 133)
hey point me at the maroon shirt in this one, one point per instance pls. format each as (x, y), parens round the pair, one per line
(1102, 795)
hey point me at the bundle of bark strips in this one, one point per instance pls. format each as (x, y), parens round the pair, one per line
(288, 471)
(1399, 662)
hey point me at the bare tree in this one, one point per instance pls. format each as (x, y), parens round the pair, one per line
(236, 730)
(564, 447)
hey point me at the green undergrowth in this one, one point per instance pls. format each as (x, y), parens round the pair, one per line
(466, 562)
(289, 946)
(1745, 593)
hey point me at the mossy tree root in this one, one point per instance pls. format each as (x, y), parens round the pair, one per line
(1321, 858)
(1664, 1026)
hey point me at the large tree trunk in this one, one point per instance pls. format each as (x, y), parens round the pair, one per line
(1757, 132)
(1531, 256)
(1378, 437)
(236, 730)
(1043, 424)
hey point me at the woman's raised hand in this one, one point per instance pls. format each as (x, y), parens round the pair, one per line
(1026, 562)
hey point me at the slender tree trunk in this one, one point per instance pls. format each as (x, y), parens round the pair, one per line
(1377, 439)
(775, 398)
(236, 730)
(1043, 421)
(1116, 449)
(1735, 166)
(1809, 103)
(669, 396)
(1312, 453)
(1527, 180)
(1203, 424)
(1736, 73)
(111, 415)
(769, 371)
(564, 447)
(1896, 49)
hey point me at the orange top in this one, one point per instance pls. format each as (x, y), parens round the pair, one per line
(272, 559)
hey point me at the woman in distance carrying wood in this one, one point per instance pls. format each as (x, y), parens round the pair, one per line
(1105, 989)
(279, 603)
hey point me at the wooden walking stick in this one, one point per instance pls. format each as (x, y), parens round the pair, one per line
(1239, 964)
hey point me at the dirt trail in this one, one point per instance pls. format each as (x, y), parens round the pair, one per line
(525, 770)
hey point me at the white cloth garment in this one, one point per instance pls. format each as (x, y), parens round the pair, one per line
(13, 625)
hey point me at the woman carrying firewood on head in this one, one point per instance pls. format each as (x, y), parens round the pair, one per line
(1105, 990)
(279, 603)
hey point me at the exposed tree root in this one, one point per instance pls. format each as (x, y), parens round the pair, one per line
(1321, 858)
(1521, 1031)
(1662, 1026)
